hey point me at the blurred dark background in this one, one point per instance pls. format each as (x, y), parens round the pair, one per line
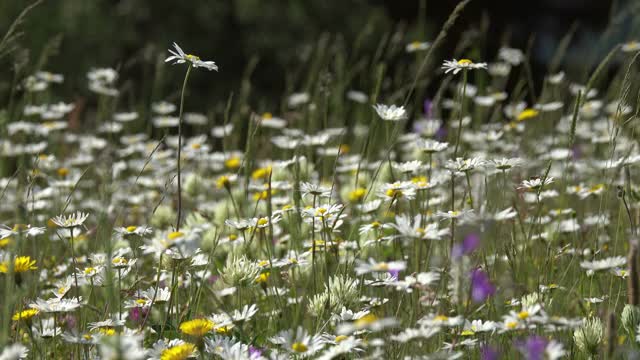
(73, 36)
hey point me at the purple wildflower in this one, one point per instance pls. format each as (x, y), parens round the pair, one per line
(441, 134)
(533, 348)
(428, 104)
(254, 352)
(489, 353)
(469, 244)
(481, 286)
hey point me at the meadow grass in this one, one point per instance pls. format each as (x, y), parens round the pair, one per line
(362, 216)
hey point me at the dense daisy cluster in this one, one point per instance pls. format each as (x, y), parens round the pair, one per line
(497, 222)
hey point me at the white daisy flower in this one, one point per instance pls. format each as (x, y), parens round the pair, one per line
(179, 57)
(462, 64)
(391, 113)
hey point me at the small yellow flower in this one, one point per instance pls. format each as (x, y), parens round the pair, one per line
(197, 327)
(107, 331)
(223, 182)
(232, 163)
(21, 264)
(262, 278)
(261, 173)
(527, 114)
(262, 195)
(178, 352)
(357, 194)
(25, 315)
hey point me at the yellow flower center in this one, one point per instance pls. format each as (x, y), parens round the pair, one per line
(394, 193)
(465, 62)
(263, 221)
(339, 338)
(119, 261)
(441, 318)
(63, 172)
(267, 116)
(366, 320)
(232, 163)
(299, 347)
(131, 228)
(175, 235)
(523, 315)
(192, 57)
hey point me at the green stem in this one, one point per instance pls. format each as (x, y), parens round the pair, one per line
(184, 87)
(464, 91)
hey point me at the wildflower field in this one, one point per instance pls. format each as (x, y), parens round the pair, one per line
(449, 208)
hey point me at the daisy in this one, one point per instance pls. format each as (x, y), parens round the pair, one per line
(299, 343)
(409, 334)
(269, 121)
(631, 46)
(179, 57)
(70, 221)
(14, 352)
(506, 164)
(417, 46)
(307, 188)
(455, 214)
(374, 266)
(535, 183)
(391, 113)
(603, 264)
(368, 322)
(429, 146)
(398, 190)
(511, 55)
(134, 230)
(56, 305)
(462, 64)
